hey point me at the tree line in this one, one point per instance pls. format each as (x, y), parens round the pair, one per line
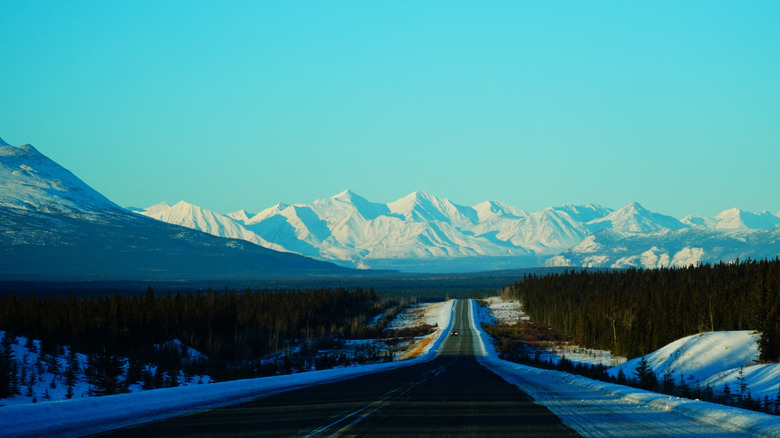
(233, 329)
(636, 311)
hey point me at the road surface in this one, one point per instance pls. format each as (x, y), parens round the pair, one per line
(452, 395)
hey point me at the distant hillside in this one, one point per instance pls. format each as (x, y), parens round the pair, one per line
(53, 227)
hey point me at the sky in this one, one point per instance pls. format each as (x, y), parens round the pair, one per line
(241, 105)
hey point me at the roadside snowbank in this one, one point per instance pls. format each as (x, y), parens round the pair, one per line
(715, 359)
(601, 409)
(78, 417)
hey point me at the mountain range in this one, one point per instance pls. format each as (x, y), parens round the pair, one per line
(423, 232)
(53, 225)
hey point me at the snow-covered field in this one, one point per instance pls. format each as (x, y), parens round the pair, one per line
(41, 383)
(509, 312)
(599, 409)
(81, 416)
(506, 311)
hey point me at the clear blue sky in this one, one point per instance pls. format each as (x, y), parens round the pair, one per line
(233, 105)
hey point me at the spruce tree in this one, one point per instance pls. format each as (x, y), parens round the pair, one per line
(7, 366)
(645, 376)
(71, 372)
(105, 370)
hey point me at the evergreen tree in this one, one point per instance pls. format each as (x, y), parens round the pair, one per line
(742, 385)
(645, 376)
(71, 372)
(667, 385)
(134, 372)
(621, 377)
(725, 395)
(7, 366)
(777, 401)
(105, 370)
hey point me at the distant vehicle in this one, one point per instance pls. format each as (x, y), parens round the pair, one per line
(454, 333)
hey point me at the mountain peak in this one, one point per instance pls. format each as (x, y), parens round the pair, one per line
(3, 143)
(737, 218)
(183, 203)
(490, 209)
(730, 212)
(159, 206)
(240, 215)
(413, 200)
(348, 196)
(418, 195)
(633, 218)
(633, 206)
(345, 194)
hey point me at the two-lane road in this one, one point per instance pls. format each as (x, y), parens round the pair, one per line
(452, 395)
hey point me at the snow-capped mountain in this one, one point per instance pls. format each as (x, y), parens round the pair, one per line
(418, 228)
(54, 226)
(30, 180)
(664, 248)
(196, 218)
(736, 219)
(633, 218)
(421, 231)
(54, 223)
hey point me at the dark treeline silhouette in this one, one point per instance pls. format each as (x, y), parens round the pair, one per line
(636, 311)
(229, 327)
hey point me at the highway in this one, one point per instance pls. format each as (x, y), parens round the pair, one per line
(452, 395)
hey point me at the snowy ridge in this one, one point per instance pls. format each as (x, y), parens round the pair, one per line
(736, 219)
(196, 218)
(421, 231)
(348, 229)
(699, 357)
(31, 181)
(633, 218)
(665, 248)
(713, 359)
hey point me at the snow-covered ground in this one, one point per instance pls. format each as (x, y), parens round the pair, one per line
(716, 359)
(506, 311)
(593, 408)
(82, 416)
(41, 383)
(509, 312)
(433, 314)
(599, 409)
